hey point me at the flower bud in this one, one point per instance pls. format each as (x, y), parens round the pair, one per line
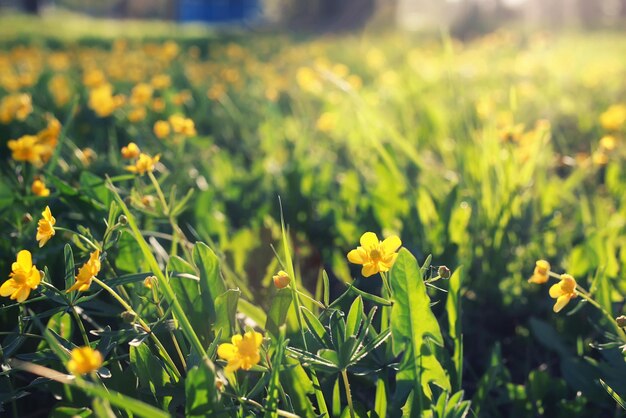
(27, 218)
(444, 272)
(150, 281)
(122, 220)
(281, 280)
(621, 321)
(128, 317)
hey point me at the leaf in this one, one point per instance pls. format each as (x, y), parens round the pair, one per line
(69, 266)
(225, 312)
(277, 314)
(273, 394)
(380, 401)
(453, 308)
(150, 372)
(211, 282)
(413, 328)
(315, 327)
(355, 317)
(202, 397)
(297, 385)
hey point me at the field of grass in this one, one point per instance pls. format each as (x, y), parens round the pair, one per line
(186, 223)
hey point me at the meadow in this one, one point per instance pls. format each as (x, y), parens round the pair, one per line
(374, 224)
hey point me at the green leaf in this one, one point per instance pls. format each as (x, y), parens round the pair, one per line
(69, 266)
(225, 312)
(355, 317)
(273, 393)
(277, 314)
(70, 412)
(453, 308)
(413, 328)
(150, 372)
(202, 397)
(380, 401)
(211, 282)
(315, 326)
(298, 386)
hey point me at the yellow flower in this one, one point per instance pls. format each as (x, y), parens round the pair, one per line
(144, 164)
(141, 94)
(281, 280)
(16, 106)
(39, 188)
(137, 114)
(24, 278)
(84, 360)
(130, 151)
(102, 101)
(563, 292)
(375, 255)
(326, 122)
(540, 275)
(161, 81)
(243, 352)
(161, 129)
(181, 125)
(45, 227)
(150, 281)
(608, 143)
(86, 273)
(27, 148)
(49, 137)
(60, 89)
(614, 117)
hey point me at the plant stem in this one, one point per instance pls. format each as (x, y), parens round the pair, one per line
(79, 235)
(318, 303)
(143, 324)
(80, 325)
(344, 374)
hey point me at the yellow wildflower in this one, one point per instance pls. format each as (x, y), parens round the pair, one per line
(161, 129)
(614, 117)
(540, 275)
(60, 89)
(375, 255)
(243, 352)
(281, 280)
(563, 292)
(94, 78)
(27, 148)
(161, 81)
(144, 164)
(137, 114)
(45, 227)
(130, 151)
(150, 281)
(39, 188)
(23, 278)
(49, 137)
(84, 360)
(86, 273)
(15, 106)
(141, 94)
(102, 101)
(181, 125)
(608, 143)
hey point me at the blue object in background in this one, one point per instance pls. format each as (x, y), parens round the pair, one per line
(217, 11)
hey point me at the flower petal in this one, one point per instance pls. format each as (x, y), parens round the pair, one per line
(391, 244)
(258, 339)
(369, 240)
(369, 269)
(34, 278)
(358, 256)
(8, 287)
(555, 290)
(233, 365)
(25, 260)
(21, 294)
(227, 351)
(561, 302)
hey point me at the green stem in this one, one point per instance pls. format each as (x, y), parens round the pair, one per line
(318, 303)
(143, 324)
(159, 192)
(155, 297)
(386, 282)
(586, 296)
(79, 235)
(346, 383)
(80, 326)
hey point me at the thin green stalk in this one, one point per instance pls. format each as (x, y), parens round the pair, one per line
(143, 324)
(79, 235)
(346, 383)
(318, 303)
(81, 327)
(155, 297)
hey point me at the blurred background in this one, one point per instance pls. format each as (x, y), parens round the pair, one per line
(462, 18)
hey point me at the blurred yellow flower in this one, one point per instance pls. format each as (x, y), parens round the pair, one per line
(24, 277)
(141, 94)
(137, 114)
(27, 148)
(84, 360)
(614, 117)
(161, 129)
(243, 352)
(181, 125)
(15, 106)
(216, 91)
(45, 227)
(326, 122)
(102, 101)
(281, 279)
(144, 164)
(59, 87)
(94, 78)
(375, 255)
(130, 151)
(608, 143)
(541, 273)
(161, 81)
(150, 282)
(39, 188)
(563, 292)
(86, 273)
(308, 80)
(158, 104)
